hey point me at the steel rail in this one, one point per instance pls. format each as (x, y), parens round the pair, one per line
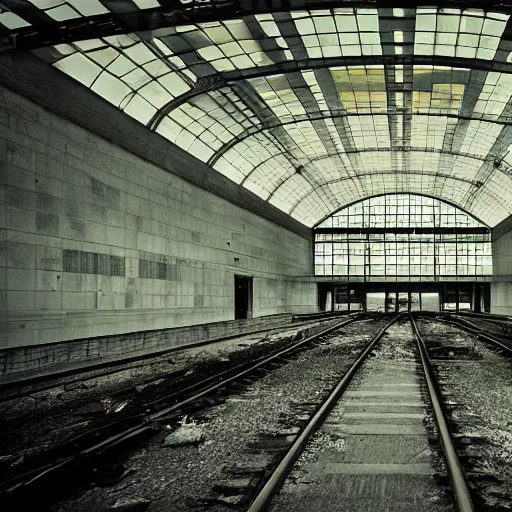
(457, 478)
(253, 367)
(461, 324)
(204, 392)
(242, 365)
(490, 317)
(274, 483)
(34, 475)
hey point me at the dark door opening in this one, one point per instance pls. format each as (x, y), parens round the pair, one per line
(243, 297)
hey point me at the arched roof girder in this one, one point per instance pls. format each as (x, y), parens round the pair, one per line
(368, 60)
(388, 172)
(395, 182)
(212, 82)
(410, 149)
(237, 140)
(320, 158)
(451, 203)
(313, 83)
(110, 18)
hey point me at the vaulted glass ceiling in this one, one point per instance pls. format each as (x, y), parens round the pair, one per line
(314, 109)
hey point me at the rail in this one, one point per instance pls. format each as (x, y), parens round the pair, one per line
(457, 478)
(479, 333)
(143, 423)
(274, 483)
(263, 499)
(20, 384)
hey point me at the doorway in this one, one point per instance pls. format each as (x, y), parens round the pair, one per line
(375, 301)
(429, 301)
(243, 297)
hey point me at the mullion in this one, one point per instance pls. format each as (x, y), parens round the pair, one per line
(433, 247)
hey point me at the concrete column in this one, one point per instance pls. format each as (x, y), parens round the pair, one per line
(477, 298)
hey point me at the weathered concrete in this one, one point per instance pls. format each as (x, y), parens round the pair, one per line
(24, 73)
(33, 362)
(501, 289)
(95, 241)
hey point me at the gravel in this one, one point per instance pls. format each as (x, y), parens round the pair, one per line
(242, 437)
(481, 386)
(312, 486)
(34, 423)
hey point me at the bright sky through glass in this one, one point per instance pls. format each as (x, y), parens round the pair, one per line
(444, 249)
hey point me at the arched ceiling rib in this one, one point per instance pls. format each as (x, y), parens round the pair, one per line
(314, 206)
(466, 219)
(309, 109)
(29, 24)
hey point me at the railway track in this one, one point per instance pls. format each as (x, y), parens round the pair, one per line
(78, 457)
(313, 488)
(473, 369)
(503, 344)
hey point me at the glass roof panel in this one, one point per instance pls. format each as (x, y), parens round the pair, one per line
(353, 32)
(12, 21)
(291, 192)
(269, 175)
(480, 137)
(361, 89)
(494, 96)
(312, 205)
(493, 200)
(369, 131)
(466, 33)
(312, 107)
(61, 10)
(248, 155)
(428, 134)
(122, 68)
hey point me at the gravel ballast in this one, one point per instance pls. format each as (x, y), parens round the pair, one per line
(477, 379)
(34, 423)
(373, 452)
(240, 439)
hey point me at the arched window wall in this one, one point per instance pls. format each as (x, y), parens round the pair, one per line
(403, 237)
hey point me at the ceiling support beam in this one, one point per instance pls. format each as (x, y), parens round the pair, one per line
(229, 145)
(173, 13)
(476, 185)
(203, 86)
(369, 60)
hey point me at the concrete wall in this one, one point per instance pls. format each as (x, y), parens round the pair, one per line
(96, 241)
(501, 298)
(501, 289)
(29, 364)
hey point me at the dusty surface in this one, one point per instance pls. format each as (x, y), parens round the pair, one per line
(500, 329)
(373, 452)
(479, 380)
(31, 424)
(240, 439)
